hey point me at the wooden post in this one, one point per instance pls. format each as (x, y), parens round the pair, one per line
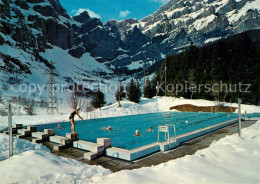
(239, 117)
(10, 130)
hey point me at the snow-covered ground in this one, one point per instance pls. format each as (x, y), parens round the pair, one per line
(160, 104)
(229, 160)
(33, 163)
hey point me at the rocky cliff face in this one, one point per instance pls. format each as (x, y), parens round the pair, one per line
(37, 25)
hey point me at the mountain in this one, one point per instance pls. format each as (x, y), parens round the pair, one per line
(220, 71)
(34, 32)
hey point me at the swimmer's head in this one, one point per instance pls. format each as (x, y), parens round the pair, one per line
(58, 125)
(137, 132)
(109, 128)
(187, 122)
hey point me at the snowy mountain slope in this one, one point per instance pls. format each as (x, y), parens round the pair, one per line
(33, 34)
(173, 27)
(179, 23)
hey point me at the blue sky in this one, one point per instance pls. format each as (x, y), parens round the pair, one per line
(113, 9)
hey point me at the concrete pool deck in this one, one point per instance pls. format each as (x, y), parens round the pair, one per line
(97, 149)
(174, 142)
(186, 148)
(115, 157)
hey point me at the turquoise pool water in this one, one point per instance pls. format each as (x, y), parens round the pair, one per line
(124, 127)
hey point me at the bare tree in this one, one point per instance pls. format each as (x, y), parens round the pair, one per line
(77, 97)
(89, 106)
(191, 79)
(1, 97)
(5, 87)
(30, 106)
(219, 91)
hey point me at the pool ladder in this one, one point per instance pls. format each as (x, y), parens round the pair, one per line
(165, 128)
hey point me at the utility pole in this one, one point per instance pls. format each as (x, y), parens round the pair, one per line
(165, 69)
(52, 93)
(230, 106)
(10, 129)
(119, 105)
(162, 74)
(239, 117)
(145, 70)
(144, 74)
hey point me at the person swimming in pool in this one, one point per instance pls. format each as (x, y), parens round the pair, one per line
(106, 128)
(137, 133)
(59, 127)
(110, 128)
(149, 130)
(72, 115)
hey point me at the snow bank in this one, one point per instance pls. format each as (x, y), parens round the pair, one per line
(43, 167)
(19, 146)
(33, 163)
(229, 160)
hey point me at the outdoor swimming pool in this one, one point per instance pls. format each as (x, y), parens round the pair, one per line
(124, 127)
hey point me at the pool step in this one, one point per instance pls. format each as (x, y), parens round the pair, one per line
(14, 130)
(23, 133)
(60, 140)
(32, 128)
(106, 142)
(19, 126)
(49, 132)
(92, 156)
(58, 147)
(73, 137)
(39, 137)
(89, 146)
(63, 142)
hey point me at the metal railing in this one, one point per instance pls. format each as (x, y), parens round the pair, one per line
(165, 128)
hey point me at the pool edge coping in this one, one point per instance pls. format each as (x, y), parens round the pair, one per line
(164, 146)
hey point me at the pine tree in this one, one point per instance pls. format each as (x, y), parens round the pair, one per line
(138, 92)
(191, 81)
(120, 93)
(99, 99)
(133, 91)
(149, 90)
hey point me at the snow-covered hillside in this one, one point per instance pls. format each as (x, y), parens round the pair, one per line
(229, 160)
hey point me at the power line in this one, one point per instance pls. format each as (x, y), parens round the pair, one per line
(53, 105)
